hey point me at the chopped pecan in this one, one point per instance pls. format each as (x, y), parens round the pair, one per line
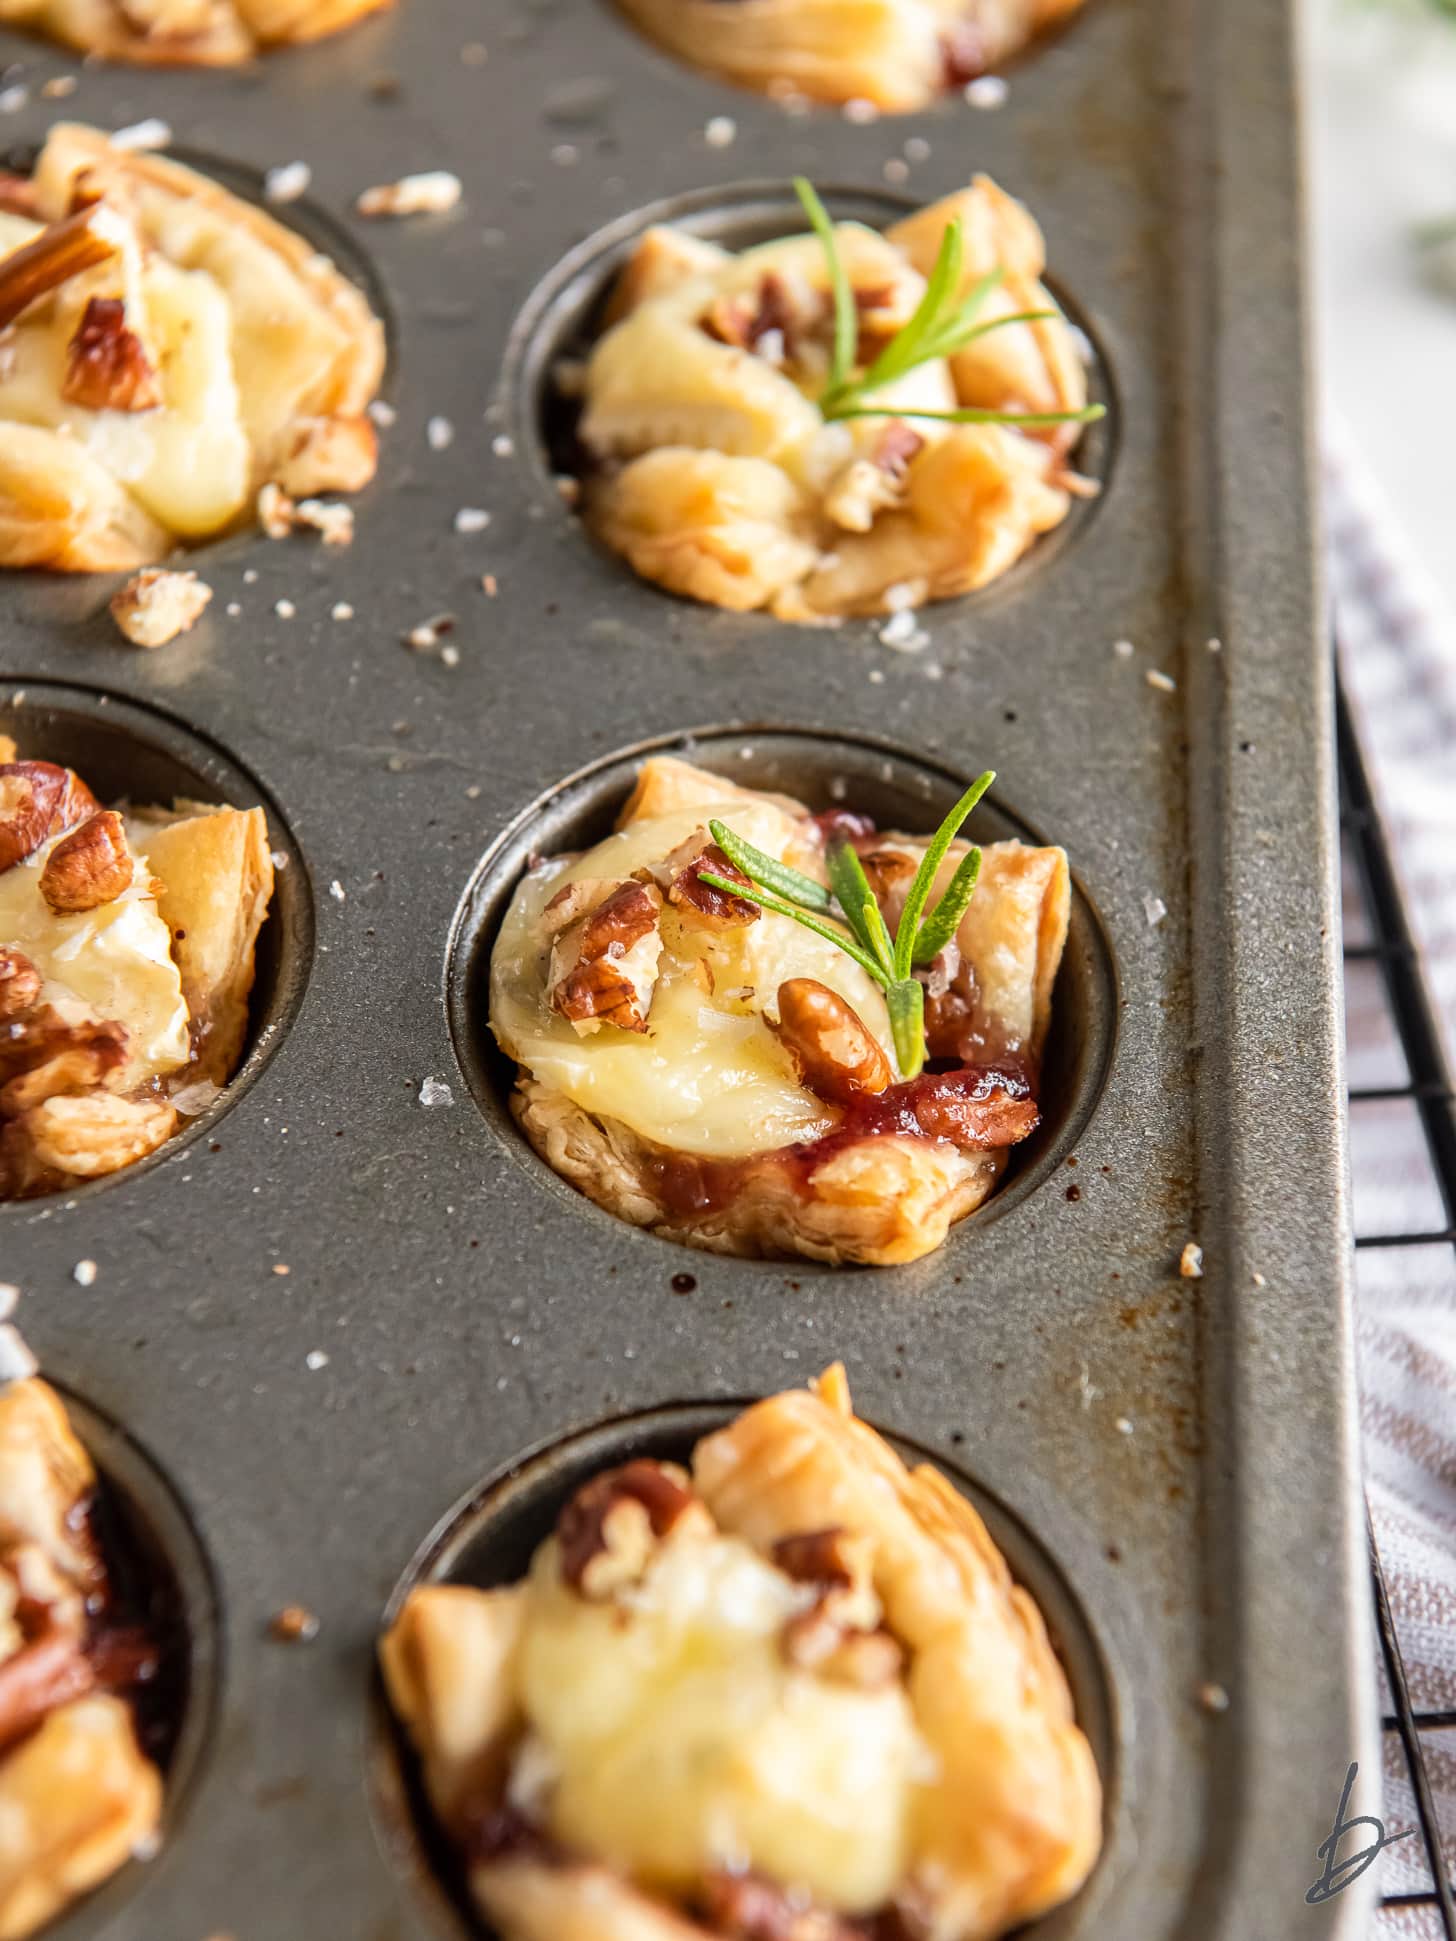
(47, 1672)
(833, 1051)
(19, 983)
(963, 54)
(820, 1642)
(19, 196)
(832, 1557)
(840, 1636)
(604, 966)
(78, 242)
(681, 881)
(749, 1907)
(890, 873)
(766, 323)
(896, 445)
(41, 1055)
(38, 800)
(89, 867)
(107, 367)
(611, 1527)
(156, 605)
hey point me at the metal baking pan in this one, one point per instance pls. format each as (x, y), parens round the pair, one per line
(450, 1312)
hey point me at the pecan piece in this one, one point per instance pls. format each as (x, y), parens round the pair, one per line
(107, 367)
(604, 966)
(749, 1907)
(19, 983)
(89, 867)
(58, 253)
(610, 1529)
(41, 1056)
(682, 883)
(896, 445)
(89, 1136)
(38, 800)
(840, 1636)
(765, 324)
(833, 1051)
(890, 873)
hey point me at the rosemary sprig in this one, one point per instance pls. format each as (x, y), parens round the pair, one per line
(890, 961)
(943, 324)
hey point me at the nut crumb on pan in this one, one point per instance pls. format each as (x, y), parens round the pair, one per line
(1164, 683)
(315, 1359)
(1190, 1262)
(287, 182)
(84, 1273)
(14, 98)
(59, 86)
(281, 1269)
(1123, 1425)
(503, 444)
(434, 1091)
(489, 585)
(233, 609)
(721, 131)
(280, 515)
(1258, 1279)
(471, 518)
(341, 610)
(382, 414)
(1213, 1697)
(1123, 649)
(294, 1624)
(431, 193)
(338, 892)
(440, 434)
(285, 609)
(156, 605)
(986, 91)
(425, 637)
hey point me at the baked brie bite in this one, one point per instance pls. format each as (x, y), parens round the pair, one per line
(895, 54)
(715, 463)
(183, 33)
(126, 958)
(78, 1796)
(704, 1067)
(166, 351)
(791, 1695)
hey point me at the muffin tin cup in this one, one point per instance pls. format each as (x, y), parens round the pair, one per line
(1181, 1450)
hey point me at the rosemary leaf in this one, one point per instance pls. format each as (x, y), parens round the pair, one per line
(782, 909)
(945, 919)
(911, 344)
(768, 871)
(851, 886)
(906, 1002)
(974, 415)
(846, 315)
(918, 894)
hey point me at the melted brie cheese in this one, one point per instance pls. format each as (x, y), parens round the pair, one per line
(672, 1736)
(112, 964)
(708, 1076)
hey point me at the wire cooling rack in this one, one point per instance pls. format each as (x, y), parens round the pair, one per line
(1386, 941)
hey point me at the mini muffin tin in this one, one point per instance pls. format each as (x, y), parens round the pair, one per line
(331, 1310)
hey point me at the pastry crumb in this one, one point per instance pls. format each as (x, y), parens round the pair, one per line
(17, 1363)
(721, 132)
(1213, 1697)
(382, 414)
(156, 605)
(1164, 683)
(435, 1091)
(338, 892)
(294, 1624)
(1190, 1262)
(471, 518)
(285, 609)
(897, 170)
(1123, 1425)
(860, 111)
(440, 434)
(151, 133)
(58, 87)
(424, 638)
(1123, 649)
(13, 99)
(503, 444)
(9, 1296)
(315, 1359)
(430, 193)
(1154, 909)
(341, 610)
(84, 1273)
(489, 585)
(1258, 1279)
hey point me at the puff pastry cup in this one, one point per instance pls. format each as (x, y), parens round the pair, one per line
(713, 472)
(896, 54)
(168, 349)
(792, 1695)
(126, 958)
(183, 33)
(78, 1795)
(670, 1073)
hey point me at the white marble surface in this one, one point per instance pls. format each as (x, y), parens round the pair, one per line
(1382, 144)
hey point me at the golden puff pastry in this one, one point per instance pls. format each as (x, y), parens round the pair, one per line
(793, 1691)
(78, 1796)
(168, 350)
(725, 1077)
(127, 948)
(714, 472)
(896, 54)
(183, 33)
